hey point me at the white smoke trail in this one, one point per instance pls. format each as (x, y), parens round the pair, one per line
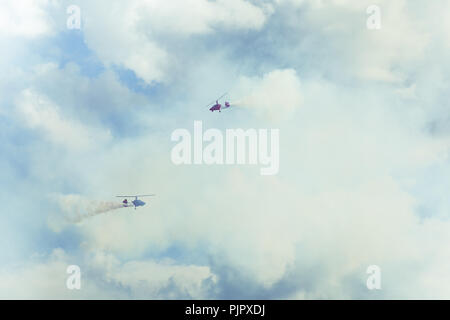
(238, 103)
(77, 208)
(276, 94)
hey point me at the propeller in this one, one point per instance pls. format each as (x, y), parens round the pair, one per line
(216, 99)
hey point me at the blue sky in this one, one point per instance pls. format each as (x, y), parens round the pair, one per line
(87, 114)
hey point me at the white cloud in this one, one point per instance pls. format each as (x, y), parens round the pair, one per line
(103, 276)
(342, 177)
(37, 112)
(130, 34)
(24, 18)
(149, 278)
(275, 95)
(351, 150)
(338, 30)
(199, 17)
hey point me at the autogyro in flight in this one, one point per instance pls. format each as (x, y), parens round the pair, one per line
(136, 202)
(217, 106)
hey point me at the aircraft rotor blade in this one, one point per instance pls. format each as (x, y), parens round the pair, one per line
(210, 103)
(139, 195)
(216, 99)
(222, 96)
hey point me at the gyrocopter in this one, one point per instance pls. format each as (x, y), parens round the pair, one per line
(217, 106)
(136, 202)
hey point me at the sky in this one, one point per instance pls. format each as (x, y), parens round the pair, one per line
(364, 137)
